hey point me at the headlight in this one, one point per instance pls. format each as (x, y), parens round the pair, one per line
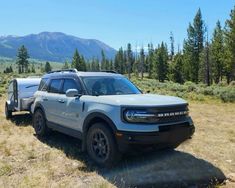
(140, 116)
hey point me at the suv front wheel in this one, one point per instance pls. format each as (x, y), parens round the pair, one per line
(39, 123)
(101, 145)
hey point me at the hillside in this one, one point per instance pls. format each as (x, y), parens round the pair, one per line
(53, 46)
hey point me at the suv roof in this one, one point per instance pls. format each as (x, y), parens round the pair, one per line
(79, 73)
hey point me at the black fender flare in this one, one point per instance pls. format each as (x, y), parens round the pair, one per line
(39, 106)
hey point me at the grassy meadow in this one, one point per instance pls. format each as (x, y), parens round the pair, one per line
(7, 62)
(208, 159)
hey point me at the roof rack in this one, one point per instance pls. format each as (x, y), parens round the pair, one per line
(63, 70)
(109, 71)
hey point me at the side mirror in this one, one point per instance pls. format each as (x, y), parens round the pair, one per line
(72, 93)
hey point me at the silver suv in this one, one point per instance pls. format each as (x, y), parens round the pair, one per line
(108, 113)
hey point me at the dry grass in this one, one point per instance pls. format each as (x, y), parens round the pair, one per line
(26, 161)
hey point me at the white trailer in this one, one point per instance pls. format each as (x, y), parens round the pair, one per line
(20, 94)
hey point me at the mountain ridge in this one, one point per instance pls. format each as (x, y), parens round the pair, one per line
(54, 46)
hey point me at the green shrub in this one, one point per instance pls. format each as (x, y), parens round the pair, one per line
(222, 83)
(188, 90)
(228, 95)
(208, 91)
(190, 86)
(232, 83)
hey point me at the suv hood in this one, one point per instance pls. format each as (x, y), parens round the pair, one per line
(138, 100)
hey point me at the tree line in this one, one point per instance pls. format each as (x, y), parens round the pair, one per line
(200, 60)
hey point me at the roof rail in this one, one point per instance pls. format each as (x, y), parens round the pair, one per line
(63, 70)
(109, 71)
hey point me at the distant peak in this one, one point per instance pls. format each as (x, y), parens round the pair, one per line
(51, 33)
(54, 46)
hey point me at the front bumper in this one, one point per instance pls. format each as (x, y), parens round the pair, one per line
(167, 136)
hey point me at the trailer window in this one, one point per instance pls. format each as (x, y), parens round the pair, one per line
(10, 91)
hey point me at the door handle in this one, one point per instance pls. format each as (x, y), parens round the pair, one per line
(45, 99)
(60, 101)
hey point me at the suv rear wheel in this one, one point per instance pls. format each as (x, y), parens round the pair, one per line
(8, 113)
(39, 123)
(101, 145)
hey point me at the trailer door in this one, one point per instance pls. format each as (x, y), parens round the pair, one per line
(15, 93)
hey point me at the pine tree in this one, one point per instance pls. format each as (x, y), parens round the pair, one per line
(11, 69)
(97, 65)
(93, 64)
(82, 64)
(189, 55)
(150, 59)
(136, 66)
(129, 59)
(76, 60)
(217, 52)
(205, 65)
(161, 64)
(47, 67)
(119, 61)
(177, 69)
(42, 69)
(33, 69)
(229, 47)
(103, 60)
(193, 47)
(142, 60)
(199, 31)
(8, 69)
(124, 62)
(66, 65)
(22, 59)
(116, 63)
(88, 66)
(111, 65)
(172, 53)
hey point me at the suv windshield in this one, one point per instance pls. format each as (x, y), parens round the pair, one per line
(102, 85)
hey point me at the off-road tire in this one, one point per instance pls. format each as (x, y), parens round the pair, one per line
(112, 155)
(39, 123)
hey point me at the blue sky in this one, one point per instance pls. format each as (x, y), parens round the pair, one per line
(113, 22)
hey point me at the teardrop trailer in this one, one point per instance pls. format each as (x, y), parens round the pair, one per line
(20, 95)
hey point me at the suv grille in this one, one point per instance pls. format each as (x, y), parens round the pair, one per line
(170, 113)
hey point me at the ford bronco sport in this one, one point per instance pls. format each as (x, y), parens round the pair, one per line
(108, 113)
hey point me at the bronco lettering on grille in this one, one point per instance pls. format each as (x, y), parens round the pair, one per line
(169, 114)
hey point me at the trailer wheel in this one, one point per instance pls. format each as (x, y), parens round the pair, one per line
(8, 113)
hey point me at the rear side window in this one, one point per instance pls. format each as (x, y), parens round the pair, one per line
(55, 86)
(70, 84)
(43, 84)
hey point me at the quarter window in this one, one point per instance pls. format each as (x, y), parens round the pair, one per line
(43, 84)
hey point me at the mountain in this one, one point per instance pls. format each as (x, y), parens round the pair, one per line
(53, 46)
